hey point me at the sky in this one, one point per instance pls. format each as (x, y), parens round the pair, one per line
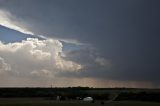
(95, 43)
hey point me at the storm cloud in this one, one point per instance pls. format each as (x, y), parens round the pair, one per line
(120, 38)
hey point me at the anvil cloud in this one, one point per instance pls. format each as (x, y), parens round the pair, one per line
(116, 40)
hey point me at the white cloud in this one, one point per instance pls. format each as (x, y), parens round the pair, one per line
(32, 54)
(41, 73)
(67, 65)
(4, 66)
(72, 41)
(10, 21)
(103, 62)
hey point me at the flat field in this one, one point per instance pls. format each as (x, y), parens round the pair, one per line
(45, 102)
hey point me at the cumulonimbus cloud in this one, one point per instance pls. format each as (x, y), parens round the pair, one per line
(33, 56)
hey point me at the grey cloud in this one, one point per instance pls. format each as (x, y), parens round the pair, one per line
(123, 71)
(94, 66)
(125, 32)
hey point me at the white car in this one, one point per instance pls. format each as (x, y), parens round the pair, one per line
(88, 99)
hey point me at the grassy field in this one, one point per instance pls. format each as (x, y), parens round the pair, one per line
(43, 102)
